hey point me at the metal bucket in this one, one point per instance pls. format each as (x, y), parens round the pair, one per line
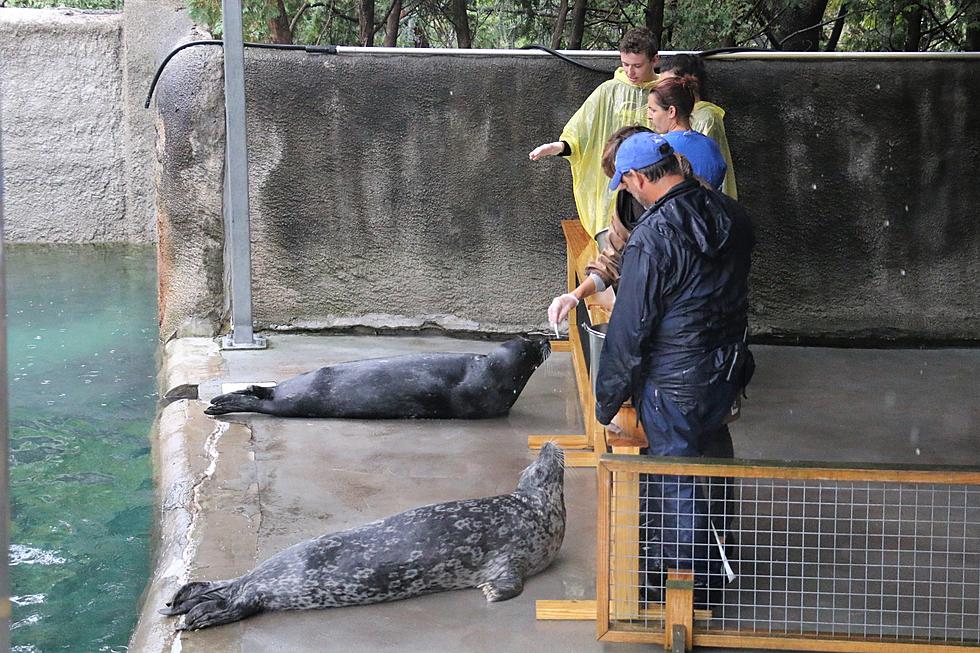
(602, 239)
(597, 336)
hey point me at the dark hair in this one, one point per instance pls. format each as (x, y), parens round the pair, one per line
(639, 40)
(688, 64)
(620, 135)
(668, 166)
(677, 92)
(612, 146)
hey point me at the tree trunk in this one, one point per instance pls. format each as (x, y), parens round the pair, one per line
(578, 24)
(655, 19)
(461, 23)
(279, 26)
(914, 35)
(365, 22)
(391, 25)
(798, 28)
(559, 30)
(838, 28)
(972, 18)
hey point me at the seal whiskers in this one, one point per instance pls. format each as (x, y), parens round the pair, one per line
(493, 543)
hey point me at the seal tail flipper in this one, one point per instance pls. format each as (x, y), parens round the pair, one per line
(214, 613)
(191, 594)
(206, 604)
(248, 400)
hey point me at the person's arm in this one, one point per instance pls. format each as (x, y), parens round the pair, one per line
(637, 313)
(602, 273)
(562, 305)
(557, 148)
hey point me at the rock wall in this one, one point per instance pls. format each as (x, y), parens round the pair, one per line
(61, 80)
(394, 190)
(78, 142)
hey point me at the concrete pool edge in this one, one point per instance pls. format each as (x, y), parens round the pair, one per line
(182, 460)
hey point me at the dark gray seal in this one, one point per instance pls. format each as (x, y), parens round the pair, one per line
(432, 385)
(493, 543)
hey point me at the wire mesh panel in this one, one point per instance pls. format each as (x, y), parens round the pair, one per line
(807, 552)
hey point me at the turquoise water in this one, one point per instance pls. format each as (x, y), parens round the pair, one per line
(82, 333)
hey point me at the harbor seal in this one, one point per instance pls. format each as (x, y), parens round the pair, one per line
(493, 543)
(428, 385)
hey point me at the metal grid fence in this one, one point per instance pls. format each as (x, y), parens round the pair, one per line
(808, 552)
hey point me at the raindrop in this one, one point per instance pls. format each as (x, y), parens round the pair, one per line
(814, 186)
(887, 223)
(918, 451)
(902, 272)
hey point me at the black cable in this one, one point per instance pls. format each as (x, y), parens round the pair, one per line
(555, 53)
(312, 49)
(708, 53)
(332, 49)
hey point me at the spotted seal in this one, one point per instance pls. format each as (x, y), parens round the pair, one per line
(429, 385)
(493, 543)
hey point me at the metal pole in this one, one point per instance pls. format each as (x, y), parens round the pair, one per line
(238, 263)
(4, 450)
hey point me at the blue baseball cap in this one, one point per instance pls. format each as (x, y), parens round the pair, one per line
(637, 152)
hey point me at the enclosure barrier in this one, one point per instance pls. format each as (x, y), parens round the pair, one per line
(825, 557)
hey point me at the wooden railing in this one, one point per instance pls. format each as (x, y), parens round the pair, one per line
(830, 558)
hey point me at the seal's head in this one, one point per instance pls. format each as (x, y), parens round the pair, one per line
(530, 351)
(542, 482)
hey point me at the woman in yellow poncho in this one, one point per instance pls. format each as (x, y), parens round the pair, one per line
(707, 117)
(616, 103)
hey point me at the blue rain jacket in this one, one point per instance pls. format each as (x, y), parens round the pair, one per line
(681, 307)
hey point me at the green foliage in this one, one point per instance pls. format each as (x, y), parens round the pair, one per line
(71, 4)
(873, 25)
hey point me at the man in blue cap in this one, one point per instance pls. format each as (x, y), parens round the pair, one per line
(676, 342)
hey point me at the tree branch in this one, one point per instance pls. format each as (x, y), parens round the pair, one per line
(302, 10)
(820, 24)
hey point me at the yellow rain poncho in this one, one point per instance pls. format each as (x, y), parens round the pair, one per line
(709, 119)
(614, 104)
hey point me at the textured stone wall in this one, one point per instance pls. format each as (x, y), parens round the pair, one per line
(151, 28)
(862, 178)
(395, 191)
(61, 82)
(79, 142)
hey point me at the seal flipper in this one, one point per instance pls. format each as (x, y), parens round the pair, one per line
(506, 585)
(207, 604)
(248, 400)
(214, 613)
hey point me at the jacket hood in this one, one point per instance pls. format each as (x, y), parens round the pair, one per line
(710, 107)
(620, 76)
(696, 214)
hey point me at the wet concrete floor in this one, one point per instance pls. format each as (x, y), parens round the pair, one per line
(237, 490)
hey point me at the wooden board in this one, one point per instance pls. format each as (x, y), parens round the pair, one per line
(585, 610)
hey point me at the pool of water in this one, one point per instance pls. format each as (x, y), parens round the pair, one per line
(82, 339)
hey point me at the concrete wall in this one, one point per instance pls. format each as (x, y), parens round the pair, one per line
(862, 180)
(151, 28)
(395, 190)
(62, 125)
(78, 142)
